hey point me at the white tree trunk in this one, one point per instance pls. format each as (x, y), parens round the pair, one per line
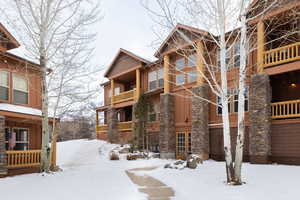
(224, 95)
(241, 103)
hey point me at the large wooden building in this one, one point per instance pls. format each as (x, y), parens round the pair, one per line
(20, 110)
(179, 122)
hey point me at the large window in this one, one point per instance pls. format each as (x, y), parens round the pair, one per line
(4, 85)
(153, 112)
(180, 64)
(232, 56)
(233, 100)
(156, 79)
(17, 139)
(185, 69)
(20, 87)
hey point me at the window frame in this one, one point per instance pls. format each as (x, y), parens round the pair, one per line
(13, 89)
(157, 78)
(28, 137)
(186, 69)
(8, 85)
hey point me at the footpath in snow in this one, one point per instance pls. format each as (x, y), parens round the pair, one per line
(90, 175)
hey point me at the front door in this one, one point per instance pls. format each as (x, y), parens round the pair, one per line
(183, 145)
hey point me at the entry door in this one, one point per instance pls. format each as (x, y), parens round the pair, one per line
(183, 145)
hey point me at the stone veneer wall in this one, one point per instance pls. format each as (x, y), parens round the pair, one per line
(3, 164)
(167, 138)
(200, 114)
(113, 126)
(260, 119)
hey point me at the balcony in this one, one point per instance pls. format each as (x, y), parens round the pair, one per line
(19, 159)
(102, 128)
(125, 126)
(124, 97)
(286, 109)
(282, 55)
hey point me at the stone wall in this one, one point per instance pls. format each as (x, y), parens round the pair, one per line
(3, 165)
(167, 138)
(260, 119)
(112, 126)
(200, 114)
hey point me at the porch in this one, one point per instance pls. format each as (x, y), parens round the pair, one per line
(23, 159)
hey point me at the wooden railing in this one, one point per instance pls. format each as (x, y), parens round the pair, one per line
(286, 109)
(125, 126)
(124, 96)
(282, 55)
(102, 128)
(29, 158)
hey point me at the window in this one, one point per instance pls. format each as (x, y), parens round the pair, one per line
(180, 79)
(227, 59)
(4, 85)
(117, 90)
(152, 76)
(17, 139)
(179, 64)
(192, 60)
(237, 54)
(192, 76)
(156, 79)
(233, 102)
(20, 87)
(7, 132)
(160, 78)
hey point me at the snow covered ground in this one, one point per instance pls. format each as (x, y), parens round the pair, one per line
(87, 175)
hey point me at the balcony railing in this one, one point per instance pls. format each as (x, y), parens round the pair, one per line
(125, 126)
(286, 109)
(29, 158)
(282, 55)
(124, 96)
(102, 128)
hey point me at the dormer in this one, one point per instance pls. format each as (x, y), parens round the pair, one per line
(7, 41)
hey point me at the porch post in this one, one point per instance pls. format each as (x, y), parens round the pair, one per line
(200, 63)
(138, 84)
(260, 46)
(3, 163)
(166, 74)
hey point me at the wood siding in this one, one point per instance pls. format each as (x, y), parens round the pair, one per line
(122, 64)
(285, 142)
(216, 143)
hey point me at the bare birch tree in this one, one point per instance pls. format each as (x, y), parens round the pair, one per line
(44, 27)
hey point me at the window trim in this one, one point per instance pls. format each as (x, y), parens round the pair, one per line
(8, 85)
(28, 137)
(156, 72)
(13, 99)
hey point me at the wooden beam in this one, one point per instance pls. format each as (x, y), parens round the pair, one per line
(166, 74)
(138, 84)
(97, 117)
(260, 46)
(200, 63)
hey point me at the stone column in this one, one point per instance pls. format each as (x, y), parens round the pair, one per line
(200, 114)
(167, 137)
(3, 164)
(112, 126)
(260, 119)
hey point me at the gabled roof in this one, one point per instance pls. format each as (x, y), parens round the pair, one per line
(134, 56)
(13, 42)
(179, 26)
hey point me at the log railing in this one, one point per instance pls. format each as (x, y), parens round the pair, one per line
(125, 126)
(28, 158)
(286, 109)
(102, 128)
(124, 96)
(282, 55)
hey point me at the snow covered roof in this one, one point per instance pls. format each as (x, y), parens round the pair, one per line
(20, 109)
